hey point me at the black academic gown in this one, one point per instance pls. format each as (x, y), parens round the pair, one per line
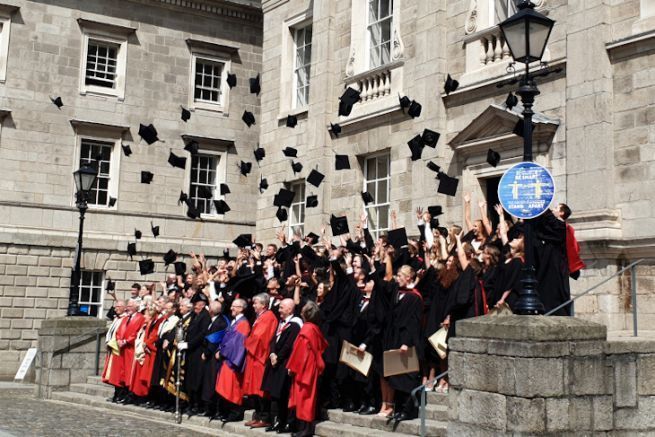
(276, 380)
(508, 278)
(194, 338)
(438, 311)
(551, 262)
(465, 299)
(210, 364)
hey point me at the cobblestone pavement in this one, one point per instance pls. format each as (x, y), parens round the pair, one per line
(22, 415)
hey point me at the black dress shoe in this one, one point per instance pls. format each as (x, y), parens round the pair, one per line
(349, 407)
(232, 418)
(284, 429)
(367, 411)
(274, 427)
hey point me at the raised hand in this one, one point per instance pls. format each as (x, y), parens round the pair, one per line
(467, 197)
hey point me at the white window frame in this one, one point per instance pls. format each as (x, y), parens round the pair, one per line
(114, 165)
(113, 176)
(221, 105)
(288, 63)
(369, 25)
(308, 66)
(297, 220)
(99, 286)
(104, 35)
(374, 219)
(221, 177)
(5, 32)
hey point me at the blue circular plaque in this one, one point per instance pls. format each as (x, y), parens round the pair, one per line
(526, 190)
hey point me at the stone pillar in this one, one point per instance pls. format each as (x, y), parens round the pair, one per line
(529, 375)
(67, 352)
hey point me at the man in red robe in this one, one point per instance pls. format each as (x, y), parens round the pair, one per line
(258, 346)
(113, 371)
(145, 354)
(575, 263)
(125, 337)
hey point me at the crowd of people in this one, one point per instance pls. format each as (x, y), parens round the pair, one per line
(265, 329)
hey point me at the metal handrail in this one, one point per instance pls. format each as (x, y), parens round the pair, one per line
(421, 405)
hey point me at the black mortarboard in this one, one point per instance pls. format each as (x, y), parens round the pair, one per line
(248, 118)
(192, 212)
(435, 210)
(313, 238)
(243, 240)
(450, 85)
(137, 234)
(434, 167)
(146, 177)
(283, 198)
(447, 185)
(221, 206)
(186, 114)
(443, 231)
(339, 225)
(57, 101)
(336, 129)
(111, 285)
(170, 257)
(199, 297)
(192, 147)
(341, 162)
(397, 238)
(312, 201)
(224, 189)
(414, 109)
(282, 214)
(148, 133)
(131, 249)
(183, 197)
(511, 101)
(308, 253)
(127, 150)
(347, 100)
(315, 178)
(155, 230)
(204, 192)
(493, 157)
(292, 120)
(518, 128)
(297, 167)
(416, 146)
(176, 161)
(255, 86)
(404, 102)
(430, 138)
(468, 237)
(112, 201)
(260, 153)
(367, 198)
(290, 152)
(263, 184)
(245, 167)
(231, 80)
(180, 268)
(146, 266)
(434, 223)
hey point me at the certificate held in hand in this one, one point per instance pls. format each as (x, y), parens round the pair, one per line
(396, 362)
(357, 360)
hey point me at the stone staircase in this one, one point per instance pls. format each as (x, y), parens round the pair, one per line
(94, 393)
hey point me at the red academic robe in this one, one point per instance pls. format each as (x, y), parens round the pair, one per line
(306, 365)
(258, 345)
(113, 371)
(229, 381)
(128, 331)
(142, 373)
(573, 251)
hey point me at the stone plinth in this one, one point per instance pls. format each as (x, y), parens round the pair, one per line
(67, 352)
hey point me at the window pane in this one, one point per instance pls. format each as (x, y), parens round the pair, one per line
(373, 10)
(385, 7)
(383, 217)
(101, 63)
(382, 192)
(208, 81)
(370, 169)
(90, 152)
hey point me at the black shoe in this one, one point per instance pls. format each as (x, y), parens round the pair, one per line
(367, 411)
(284, 429)
(232, 417)
(349, 407)
(274, 427)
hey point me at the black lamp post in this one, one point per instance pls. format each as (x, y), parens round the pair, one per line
(85, 178)
(526, 34)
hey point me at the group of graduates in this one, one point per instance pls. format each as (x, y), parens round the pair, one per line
(266, 329)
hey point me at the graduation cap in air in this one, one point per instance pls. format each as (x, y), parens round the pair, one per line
(290, 152)
(199, 297)
(231, 80)
(248, 118)
(146, 266)
(112, 201)
(57, 102)
(131, 249)
(155, 230)
(146, 177)
(148, 133)
(339, 225)
(435, 210)
(192, 212)
(245, 167)
(137, 234)
(292, 121)
(336, 129)
(255, 85)
(404, 102)
(511, 101)
(260, 153)
(450, 85)
(347, 100)
(397, 238)
(311, 238)
(192, 147)
(414, 109)
(315, 178)
(224, 189)
(180, 268)
(111, 285)
(186, 114)
(442, 230)
(263, 184)
(493, 157)
(205, 192)
(296, 166)
(341, 162)
(519, 129)
(430, 138)
(367, 198)
(176, 161)
(221, 206)
(434, 167)
(312, 201)
(127, 150)
(447, 184)
(283, 198)
(183, 197)
(416, 146)
(170, 257)
(243, 240)
(282, 214)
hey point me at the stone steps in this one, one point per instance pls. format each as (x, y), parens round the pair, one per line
(102, 391)
(372, 423)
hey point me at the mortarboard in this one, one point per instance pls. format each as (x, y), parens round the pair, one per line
(204, 192)
(260, 153)
(248, 118)
(341, 162)
(292, 120)
(312, 237)
(511, 101)
(347, 100)
(183, 197)
(137, 234)
(339, 225)
(112, 201)
(435, 210)
(186, 114)
(199, 297)
(284, 198)
(450, 85)
(397, 238)
(367, 198)
(155, 230)
(518, 128)
(414, 109)
(176, 161)
(146, 266)
(443, 231)
(434, 167)
(255, 86)
(493, 157)
(192, 212)
(231, 80)
(224, 189)
(170, 257)
(315, 178)
(312, 201)
(434, 223)
(447, 185)
(282, 214)
(148, 133)
(146, 177)
(290, 152)
(221, 206)
(416, 146)
(131, 249)
(111, 285)
(263, 184)
(127, 150)
(404, 102)
(57, 101)
(336, 129)
(308, 253)
(297, 167)
(245, 167)
(180, 268)
(243, 240)
(192, 147)
(430, 138)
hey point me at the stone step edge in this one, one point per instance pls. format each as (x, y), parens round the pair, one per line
(330, 429)
(379, 423)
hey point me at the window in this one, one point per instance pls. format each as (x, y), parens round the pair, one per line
(504, 9)
(380, 20)
(98, 154)
(90, 298)
(208, 81)
(297, 209)
(302, 39)
(5, 24)
(101, 61)
(376, 182)
(203, 182)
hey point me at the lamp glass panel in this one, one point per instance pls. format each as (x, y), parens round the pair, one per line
(516, 40)
(539, 33)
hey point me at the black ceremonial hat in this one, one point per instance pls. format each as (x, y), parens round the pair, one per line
(146, 266)
(137, 234)
(243, 240)
(339, 225)
(493, 157)
(224, 189)
(176, 161)
(336, 129)
(312, 201)
(416, 146)
(255, 85)
(434, 167)
(192, 147)
(414, 109)
(186, 114)
(283, 198)
(263, 184)
(447, 184)
(260, 153)
(127, 150)
(404, 102)
(511, 101)
(221, 206)
(155, 230)
(290, 152)
(112, 201)
(180, 268)
(397, 238)
(435, 210)
(57, 101)
(148, 133)
(170, 257)
(347, 100)
(292, 120)
(315, 178)
(450, 85)
(231, 80)
(341, 162)
(131, 249)
(245, 167)
(297, 167)
(430, 138)
(281, 214)
(367, 198)
(248, 118)
(146, 177)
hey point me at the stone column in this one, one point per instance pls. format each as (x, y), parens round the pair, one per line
(529, 375)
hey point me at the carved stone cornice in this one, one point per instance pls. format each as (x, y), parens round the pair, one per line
(246, 10)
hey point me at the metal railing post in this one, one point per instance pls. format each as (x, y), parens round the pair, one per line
(633, 285)
(422, 412)
(97, 353)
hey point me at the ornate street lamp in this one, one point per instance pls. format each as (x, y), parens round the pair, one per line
(526, 34)
(85, 178)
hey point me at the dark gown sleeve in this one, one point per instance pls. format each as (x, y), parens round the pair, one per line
(368, 239)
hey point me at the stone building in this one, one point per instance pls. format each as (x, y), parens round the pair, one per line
(116, 64)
